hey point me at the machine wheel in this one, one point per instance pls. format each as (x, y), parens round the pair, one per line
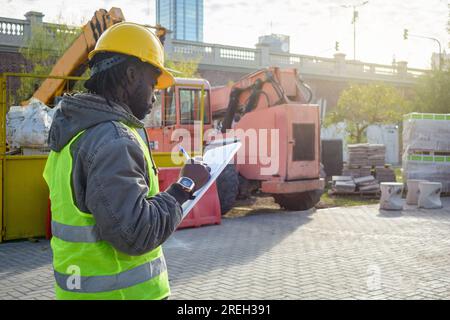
(228, 188)
(298, 201)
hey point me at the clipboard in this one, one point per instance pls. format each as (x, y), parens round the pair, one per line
(217, 156)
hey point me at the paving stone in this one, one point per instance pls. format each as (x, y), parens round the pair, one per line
(336, 253)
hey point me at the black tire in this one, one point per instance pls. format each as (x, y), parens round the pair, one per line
(298, 201)
(228, 188)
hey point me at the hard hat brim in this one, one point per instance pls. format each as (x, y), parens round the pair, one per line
(165, 80)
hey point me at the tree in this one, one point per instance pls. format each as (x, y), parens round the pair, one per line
(362, 105)
(42, 49)
(182, 67)
(432, 92)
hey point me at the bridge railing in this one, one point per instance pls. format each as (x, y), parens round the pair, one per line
(231, 56)
(213, 54)
(13, 31)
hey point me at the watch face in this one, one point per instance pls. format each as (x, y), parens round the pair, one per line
(186, 182)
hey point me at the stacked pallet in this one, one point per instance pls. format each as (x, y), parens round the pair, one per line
(365, 154)
(376, 154)
(358, 155)
(426, 148)
(349, 185)
(368, 159)
(385, 174)
(356, 172)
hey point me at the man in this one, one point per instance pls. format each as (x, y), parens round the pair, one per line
(108, 216)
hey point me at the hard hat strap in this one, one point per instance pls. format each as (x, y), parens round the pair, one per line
(107, 64)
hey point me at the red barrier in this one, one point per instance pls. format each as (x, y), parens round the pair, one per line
(205, 212)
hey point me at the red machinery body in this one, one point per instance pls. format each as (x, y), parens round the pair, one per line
(268, 112)
(297, 153)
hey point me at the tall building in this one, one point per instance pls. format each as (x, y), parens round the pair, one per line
(276, 42)
(183, 17)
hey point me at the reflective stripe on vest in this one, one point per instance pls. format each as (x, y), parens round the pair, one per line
(75, 233)
(118, 281)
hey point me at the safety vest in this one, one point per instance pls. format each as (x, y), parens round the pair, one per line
(85, 266)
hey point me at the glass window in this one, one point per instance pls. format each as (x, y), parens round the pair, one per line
(170, 115)
(190, 106)
(179, 15)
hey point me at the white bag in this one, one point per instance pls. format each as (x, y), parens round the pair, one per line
(33, 130)
(14, 119)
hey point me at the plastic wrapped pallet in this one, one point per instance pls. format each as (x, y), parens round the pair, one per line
(426, 132)
(430, 168)
(31, 128)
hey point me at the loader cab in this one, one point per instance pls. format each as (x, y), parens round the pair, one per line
(175, 113)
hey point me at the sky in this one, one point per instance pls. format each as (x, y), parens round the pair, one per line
(313, 26)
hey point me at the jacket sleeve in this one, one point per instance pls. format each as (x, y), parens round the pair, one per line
(116, 194)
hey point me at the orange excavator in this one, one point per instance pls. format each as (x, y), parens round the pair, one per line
(268, 110)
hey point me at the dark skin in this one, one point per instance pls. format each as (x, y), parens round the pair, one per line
(138, 94)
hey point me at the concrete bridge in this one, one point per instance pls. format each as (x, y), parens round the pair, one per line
(221, 64)
(326, 76)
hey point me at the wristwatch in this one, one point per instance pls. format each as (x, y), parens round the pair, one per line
(187, 184)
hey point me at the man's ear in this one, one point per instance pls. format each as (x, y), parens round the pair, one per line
(132, 74)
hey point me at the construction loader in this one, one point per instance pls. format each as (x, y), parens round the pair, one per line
(267, 110)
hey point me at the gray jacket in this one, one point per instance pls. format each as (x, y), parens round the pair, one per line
(109, 174)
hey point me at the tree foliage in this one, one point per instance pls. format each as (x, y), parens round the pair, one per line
(362, 105)
(183, 68)
(432, 92)
(42, 49)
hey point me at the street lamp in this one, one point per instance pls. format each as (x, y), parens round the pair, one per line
(406, 35)
(355, 16)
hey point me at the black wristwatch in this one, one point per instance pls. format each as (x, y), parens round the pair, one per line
(187, 184)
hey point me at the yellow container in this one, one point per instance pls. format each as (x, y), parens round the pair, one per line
(24, 193)
(25, 197)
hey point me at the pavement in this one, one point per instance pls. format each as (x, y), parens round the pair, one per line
(336, 253)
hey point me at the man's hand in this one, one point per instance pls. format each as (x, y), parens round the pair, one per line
(197, 171)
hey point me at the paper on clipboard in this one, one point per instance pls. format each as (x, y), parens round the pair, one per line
(217, 159)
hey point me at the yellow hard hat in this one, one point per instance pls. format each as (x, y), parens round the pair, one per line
(138, 41)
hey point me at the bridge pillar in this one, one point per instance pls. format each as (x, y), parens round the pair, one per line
(402, 68)
(340, 62)
(35, 19)
(264, 54)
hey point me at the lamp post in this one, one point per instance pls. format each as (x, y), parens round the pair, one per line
(355, 16)
(406, 35)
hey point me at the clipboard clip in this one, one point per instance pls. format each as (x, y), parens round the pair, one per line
(222, 142)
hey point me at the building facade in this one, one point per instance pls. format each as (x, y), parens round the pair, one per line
(183, 17)
(276, 42)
